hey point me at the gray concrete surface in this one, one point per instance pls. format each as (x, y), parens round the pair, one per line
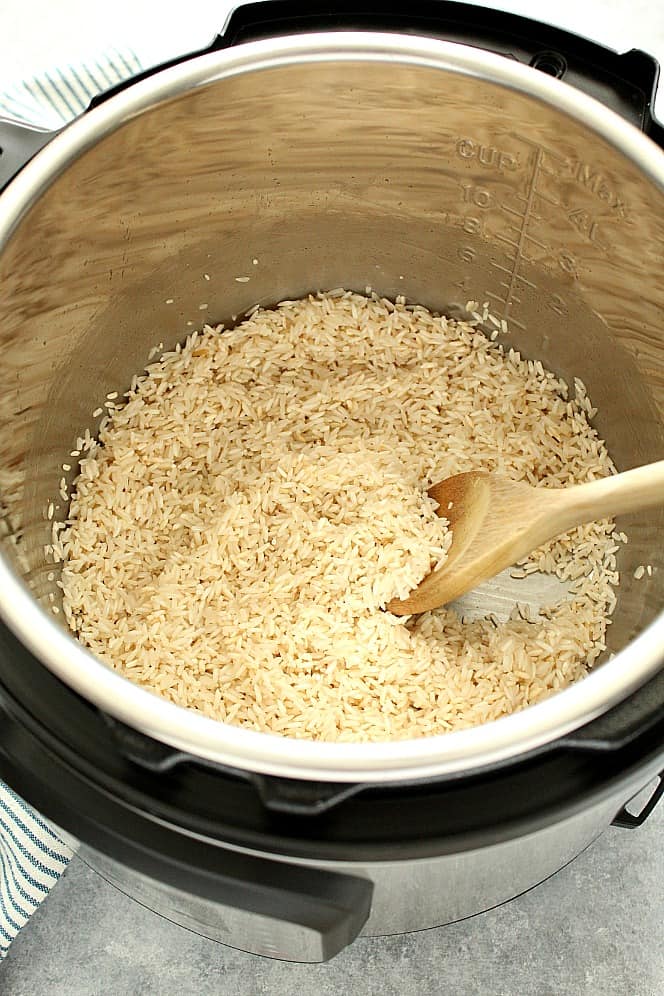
(594, 929)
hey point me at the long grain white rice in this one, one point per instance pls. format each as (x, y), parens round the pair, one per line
(242, 519)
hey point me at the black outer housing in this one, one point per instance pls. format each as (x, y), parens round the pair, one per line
(59, 751)
(141, 803)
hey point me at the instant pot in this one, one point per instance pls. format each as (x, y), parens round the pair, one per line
(443, 152)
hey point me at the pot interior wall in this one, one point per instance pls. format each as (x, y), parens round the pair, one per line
(406, 178)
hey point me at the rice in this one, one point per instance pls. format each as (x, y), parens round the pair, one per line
(236, 530)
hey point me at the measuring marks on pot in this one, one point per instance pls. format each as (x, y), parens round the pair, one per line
(519, 219)
(521, 245)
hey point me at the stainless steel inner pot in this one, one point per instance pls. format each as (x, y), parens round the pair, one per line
(410, 165)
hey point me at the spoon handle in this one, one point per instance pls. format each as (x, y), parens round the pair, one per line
(619, 494)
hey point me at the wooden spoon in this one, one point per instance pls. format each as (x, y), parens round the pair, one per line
(496, 521)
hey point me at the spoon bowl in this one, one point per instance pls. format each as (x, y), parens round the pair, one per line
(496, 521)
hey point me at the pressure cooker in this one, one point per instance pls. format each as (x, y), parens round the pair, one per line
(436, 150)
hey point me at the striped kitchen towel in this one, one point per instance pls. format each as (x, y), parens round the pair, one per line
(55, 97)
(32, 859)
(32, 856)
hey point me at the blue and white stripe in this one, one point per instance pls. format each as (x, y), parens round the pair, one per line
(32, 859)
(56, 96)
(32, 856)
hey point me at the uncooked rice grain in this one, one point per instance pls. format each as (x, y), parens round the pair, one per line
(236, 529)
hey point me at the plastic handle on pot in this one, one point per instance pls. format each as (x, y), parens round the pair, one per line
(624, 82)
(286, 796)
(283, 910)
(306, 914)
(269, 907)
(631, 821)
(298, 797)
(18, 144)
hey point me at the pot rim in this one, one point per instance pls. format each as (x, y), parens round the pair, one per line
(454, 753)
